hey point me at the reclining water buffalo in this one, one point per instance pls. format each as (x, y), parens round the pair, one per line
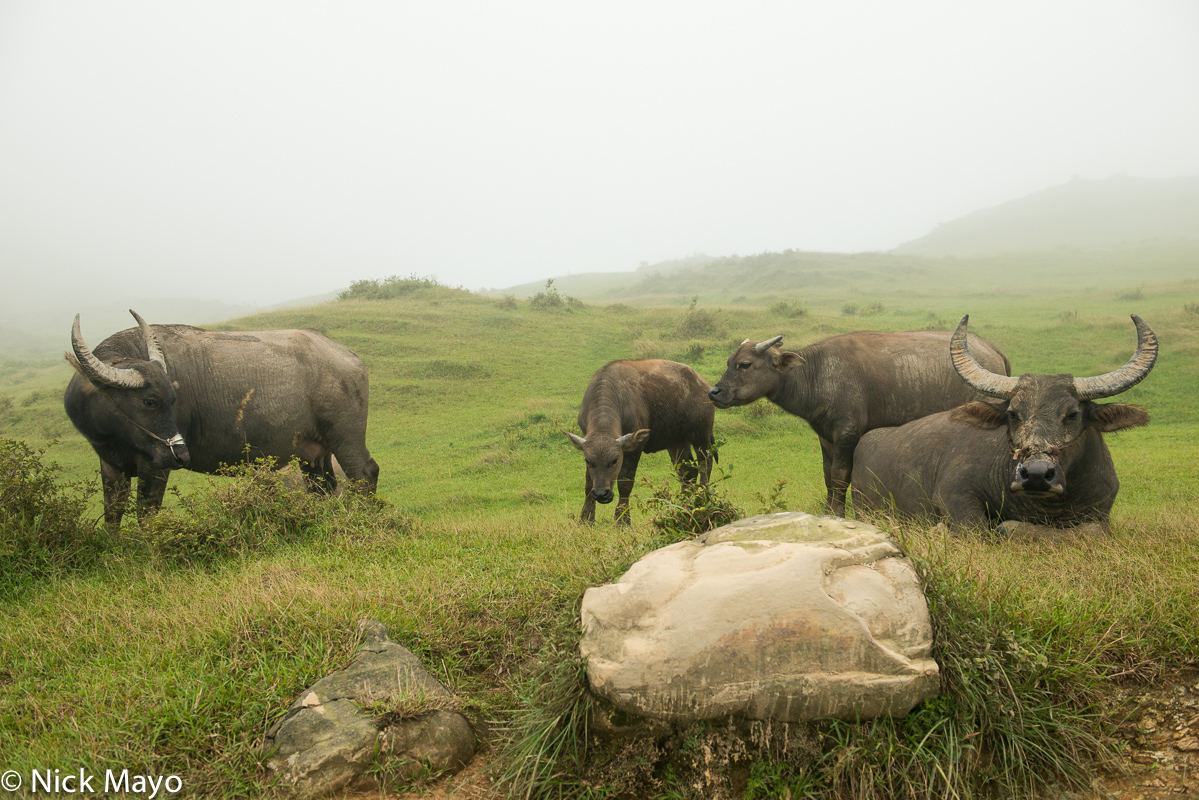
(154, 399)
(847, 385)
(635, 407)
(1037, 456)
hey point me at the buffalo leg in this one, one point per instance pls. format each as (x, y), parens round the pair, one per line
(826, 455)
(151, 487)
(318, 474)
(116, 486)
(588, 512)
(703, 459)
(839, 472)
(628, 472)
(361, 470)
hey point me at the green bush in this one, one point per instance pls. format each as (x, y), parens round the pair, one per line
(42, 522)
(699, 323)
(393, 286)
(785, 308)
(683, 509)
(550, 297)
(251, 510)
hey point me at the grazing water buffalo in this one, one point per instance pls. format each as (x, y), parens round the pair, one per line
(635, 407)
(1037, 456)
(849, 384)
(154, 399)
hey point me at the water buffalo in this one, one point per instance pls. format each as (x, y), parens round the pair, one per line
(635, 407)
(156, 398)
(849, 384)
(1037, 456)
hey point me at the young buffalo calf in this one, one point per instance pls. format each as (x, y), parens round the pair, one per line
(635, 407)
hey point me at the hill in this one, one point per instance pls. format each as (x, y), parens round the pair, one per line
(1086, 214)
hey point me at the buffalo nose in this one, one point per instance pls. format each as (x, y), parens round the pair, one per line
(1037, 476)
(182, 457)
(602, 496)
(714, 392)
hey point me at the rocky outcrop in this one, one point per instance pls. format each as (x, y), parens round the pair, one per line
(786, 617)
(381, 718)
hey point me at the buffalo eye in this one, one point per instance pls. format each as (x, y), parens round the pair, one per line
(150, 402)
(1012, 415)
(745, 365)
(1073, 415)
(612, 463)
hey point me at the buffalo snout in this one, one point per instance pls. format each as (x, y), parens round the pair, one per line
(715, 395)
(1039, 477)
(602, 496)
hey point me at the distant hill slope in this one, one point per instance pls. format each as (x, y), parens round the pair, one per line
(1120, 210)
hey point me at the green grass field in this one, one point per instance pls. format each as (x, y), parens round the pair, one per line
(139, 661)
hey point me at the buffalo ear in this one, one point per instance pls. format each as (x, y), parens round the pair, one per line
(577, 441)
(786, 360)
(1111, 417)
(633, 441)
(980, 414)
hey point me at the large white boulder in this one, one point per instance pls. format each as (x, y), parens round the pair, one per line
(788, 617)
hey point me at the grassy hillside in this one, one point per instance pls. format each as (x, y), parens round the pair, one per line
(1078, 214)
(139, 660)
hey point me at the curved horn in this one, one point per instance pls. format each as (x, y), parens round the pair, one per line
(152, 346)
(97, 371)
(973, 373)
(1127, 376)
(762, 347)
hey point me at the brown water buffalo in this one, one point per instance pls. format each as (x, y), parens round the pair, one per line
(635, 407)
(847, 385)
(156, 398)
(1037, 456)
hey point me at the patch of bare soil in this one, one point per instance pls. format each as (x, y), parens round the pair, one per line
(1162, 732)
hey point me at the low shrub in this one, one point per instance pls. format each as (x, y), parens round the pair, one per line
(785, 308)
(43, 523)
(699, 323)
(251, 510)
(550, 297)
(680, 510)
(393, 286)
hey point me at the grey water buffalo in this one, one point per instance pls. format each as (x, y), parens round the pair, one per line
(1034, 456)
(635, 407)
(847, 385)
(152, 399)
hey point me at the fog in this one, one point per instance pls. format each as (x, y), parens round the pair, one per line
(252, 152)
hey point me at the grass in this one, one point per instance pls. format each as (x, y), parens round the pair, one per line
(175, 659)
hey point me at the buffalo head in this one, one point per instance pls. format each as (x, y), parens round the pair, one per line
(133, 400)
(604, 455)
(1046, 415)
(752, 373)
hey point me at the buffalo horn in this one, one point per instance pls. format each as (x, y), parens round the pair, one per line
(152, 346)
(973, 373)
(99, 372)
(762, 347)
(1126, 376)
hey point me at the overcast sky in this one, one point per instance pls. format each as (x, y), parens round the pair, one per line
(255, 152)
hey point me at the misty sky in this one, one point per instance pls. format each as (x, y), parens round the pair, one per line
(254, 152)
